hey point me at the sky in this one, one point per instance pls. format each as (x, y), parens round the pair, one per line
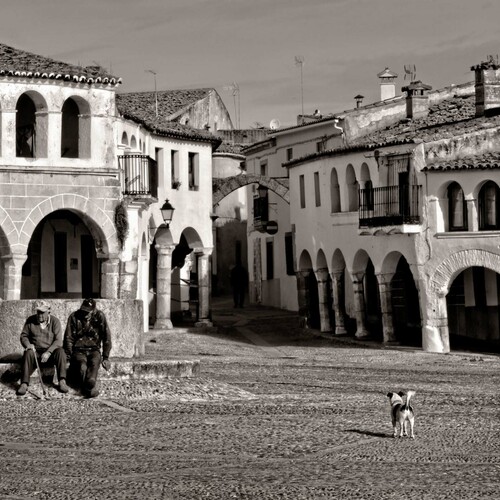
(255, 44)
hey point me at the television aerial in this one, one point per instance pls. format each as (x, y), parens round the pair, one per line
(410, 72)
(274, 124)
(235, 89)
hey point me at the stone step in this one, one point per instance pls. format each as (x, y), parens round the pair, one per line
(120, 369)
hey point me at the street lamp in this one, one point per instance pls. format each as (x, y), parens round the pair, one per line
(167, 212)
(262, 190)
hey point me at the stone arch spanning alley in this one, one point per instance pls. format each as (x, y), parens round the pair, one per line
(223, 187)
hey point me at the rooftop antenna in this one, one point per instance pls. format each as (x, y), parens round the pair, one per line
(410, 72)
(156, 93)
(235, 89)
(299, 61)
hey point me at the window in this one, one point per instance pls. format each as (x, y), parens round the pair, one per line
(261, 208)
(320, 147)
(457, 208)
(289, 154)
(263, 167)
(335, 191)
(193, 171)
(302, 191)
(269, 260)
(489, 200)
(289, 254)
(368, 196)
(124, 139)
(317, 194)
(70, 132)
(174, 168)
(25, 127)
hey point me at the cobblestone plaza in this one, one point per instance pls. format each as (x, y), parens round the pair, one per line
(274, 413)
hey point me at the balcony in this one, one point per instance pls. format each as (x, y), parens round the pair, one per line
(140, 176)
(260, 213)
(389, 206)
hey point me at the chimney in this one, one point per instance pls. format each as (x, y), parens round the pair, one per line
(487, 87)
(417, 101)
(359, 100)
(387, 85)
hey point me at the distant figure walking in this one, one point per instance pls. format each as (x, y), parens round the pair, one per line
(239, 282)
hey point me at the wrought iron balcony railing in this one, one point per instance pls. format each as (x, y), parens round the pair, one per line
(140, 175)
(389, 206)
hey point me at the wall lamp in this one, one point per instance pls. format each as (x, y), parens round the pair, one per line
(262, 190)
(167, 212)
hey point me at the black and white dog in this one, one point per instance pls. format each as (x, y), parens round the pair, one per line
(402, 412)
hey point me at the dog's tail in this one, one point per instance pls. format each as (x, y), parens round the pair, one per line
(409, 394)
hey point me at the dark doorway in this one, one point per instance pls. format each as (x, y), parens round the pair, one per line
(60, 262)
(87, 251)
(405, 306)
(313, 301)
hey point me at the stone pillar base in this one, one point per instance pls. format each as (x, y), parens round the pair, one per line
(203, 322)
(340, 330)
(163, 324)
(362, 334)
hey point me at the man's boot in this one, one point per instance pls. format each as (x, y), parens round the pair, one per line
(63, 387)
(23, 388)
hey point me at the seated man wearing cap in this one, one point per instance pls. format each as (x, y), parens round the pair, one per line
(42, 336)
(86, 334)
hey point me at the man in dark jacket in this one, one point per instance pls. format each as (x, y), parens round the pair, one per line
(42, 337)
(239, 283)
(86, 334)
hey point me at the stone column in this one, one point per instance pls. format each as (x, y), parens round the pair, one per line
(324, 313)
(384, 288)
(435, 334)
(129, 279)
(203, 289)
(110, 278)
(302, 296)
(359, 305)
(12, 276)
(472, 215)
(163, 286)
(338, 296)
(8, 135)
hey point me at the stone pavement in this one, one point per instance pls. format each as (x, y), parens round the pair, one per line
(275, 412)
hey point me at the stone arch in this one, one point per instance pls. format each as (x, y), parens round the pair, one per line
(124, 139)
(321, 262)
(225, 186)
(100, 225)
(8, 233)
(449, 269)
(352, 189)
(305, 261)
(334, 191)
(391, 261)
(360, 261)
(76, 128)
(31, 125)
(338, 261)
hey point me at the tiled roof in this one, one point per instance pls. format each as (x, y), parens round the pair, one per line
(480, 162)
(227, 147)
(22, 64)
(141, 108)
(142, 104)
(159, 126)
(445, 119)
